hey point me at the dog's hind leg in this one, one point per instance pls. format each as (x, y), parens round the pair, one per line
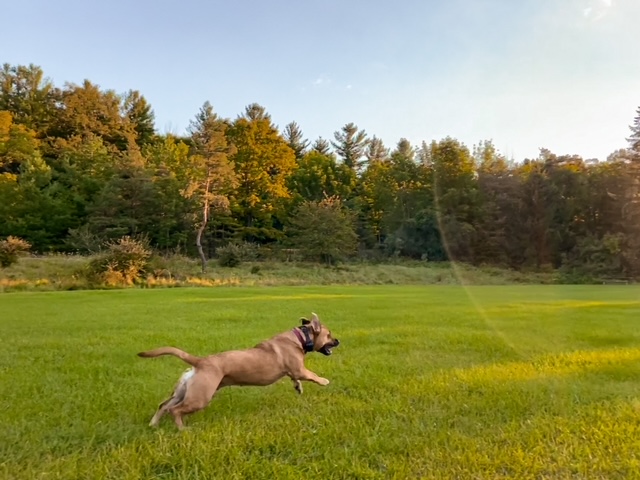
(199, 392)
(176, 397)
(162, 409)
(297, 384)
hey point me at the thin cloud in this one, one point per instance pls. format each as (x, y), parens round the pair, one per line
(326, 82)
(597, 9)
(322, 80)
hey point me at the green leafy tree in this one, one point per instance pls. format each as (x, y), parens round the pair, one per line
(86, 110)
(28, 95)
(28, 207)
(263, 162)
(19, 147)
(318, 176)
(455, 193)
(499, 193)
(394, 192)
(170, 161)
(376, 196)
(135, 203)
(323, 230)
(139, 117)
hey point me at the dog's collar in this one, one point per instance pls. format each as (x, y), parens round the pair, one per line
(307, 341)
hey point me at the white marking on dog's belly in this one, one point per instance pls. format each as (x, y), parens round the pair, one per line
(187, 375)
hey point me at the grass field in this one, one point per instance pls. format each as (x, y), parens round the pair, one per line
(429, 382)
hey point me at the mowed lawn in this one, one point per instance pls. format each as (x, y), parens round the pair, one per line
(429, 382)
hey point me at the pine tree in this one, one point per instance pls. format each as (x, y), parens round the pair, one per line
(376, 150)
(350, 144)
(294, 138)
(404, 149)
(634, 139)
(321, 146)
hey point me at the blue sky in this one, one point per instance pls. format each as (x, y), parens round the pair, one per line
(559, 74)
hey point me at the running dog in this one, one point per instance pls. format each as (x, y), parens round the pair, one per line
(264, 364)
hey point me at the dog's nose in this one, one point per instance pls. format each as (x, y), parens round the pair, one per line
(337, 342)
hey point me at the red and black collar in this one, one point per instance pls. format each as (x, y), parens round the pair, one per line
(307, 341)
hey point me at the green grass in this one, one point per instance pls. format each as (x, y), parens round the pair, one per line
(429, 382)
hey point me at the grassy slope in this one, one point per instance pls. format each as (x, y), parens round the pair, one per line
(432, 382)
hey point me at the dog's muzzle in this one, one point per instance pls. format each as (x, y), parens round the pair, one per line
(327, 347)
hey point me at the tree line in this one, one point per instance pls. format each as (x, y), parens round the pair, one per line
(80, 165)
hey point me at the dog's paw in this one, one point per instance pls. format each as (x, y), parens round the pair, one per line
(323, 381)
(298, 386)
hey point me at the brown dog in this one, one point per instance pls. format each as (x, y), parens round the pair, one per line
(264, 364)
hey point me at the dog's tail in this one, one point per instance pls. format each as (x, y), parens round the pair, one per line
(176, 352)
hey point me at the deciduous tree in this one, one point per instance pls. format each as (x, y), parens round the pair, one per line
(323, 230)
(263, 162)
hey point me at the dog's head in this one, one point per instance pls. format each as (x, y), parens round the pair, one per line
(323, 341)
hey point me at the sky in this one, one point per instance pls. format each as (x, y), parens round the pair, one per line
(526, 74)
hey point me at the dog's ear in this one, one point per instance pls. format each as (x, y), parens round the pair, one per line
(305, 321)
(315, 323)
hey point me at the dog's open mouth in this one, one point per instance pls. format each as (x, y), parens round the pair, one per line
(328, 347)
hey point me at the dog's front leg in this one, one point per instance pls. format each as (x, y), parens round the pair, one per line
(307, 376)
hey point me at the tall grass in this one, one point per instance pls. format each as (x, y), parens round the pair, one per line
(68, 272)
(429, 382)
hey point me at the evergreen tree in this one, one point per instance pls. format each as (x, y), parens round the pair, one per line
(350, 145)
(634, 139)
(321, 146)
(294, 138)
(376, 151)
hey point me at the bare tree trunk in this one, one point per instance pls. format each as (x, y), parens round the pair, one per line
(205, 219)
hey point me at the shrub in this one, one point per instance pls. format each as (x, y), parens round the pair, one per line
(83, 241)
(233, 254)
(124, 262)
(11, 249)
(229, 255)
(594, 257)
